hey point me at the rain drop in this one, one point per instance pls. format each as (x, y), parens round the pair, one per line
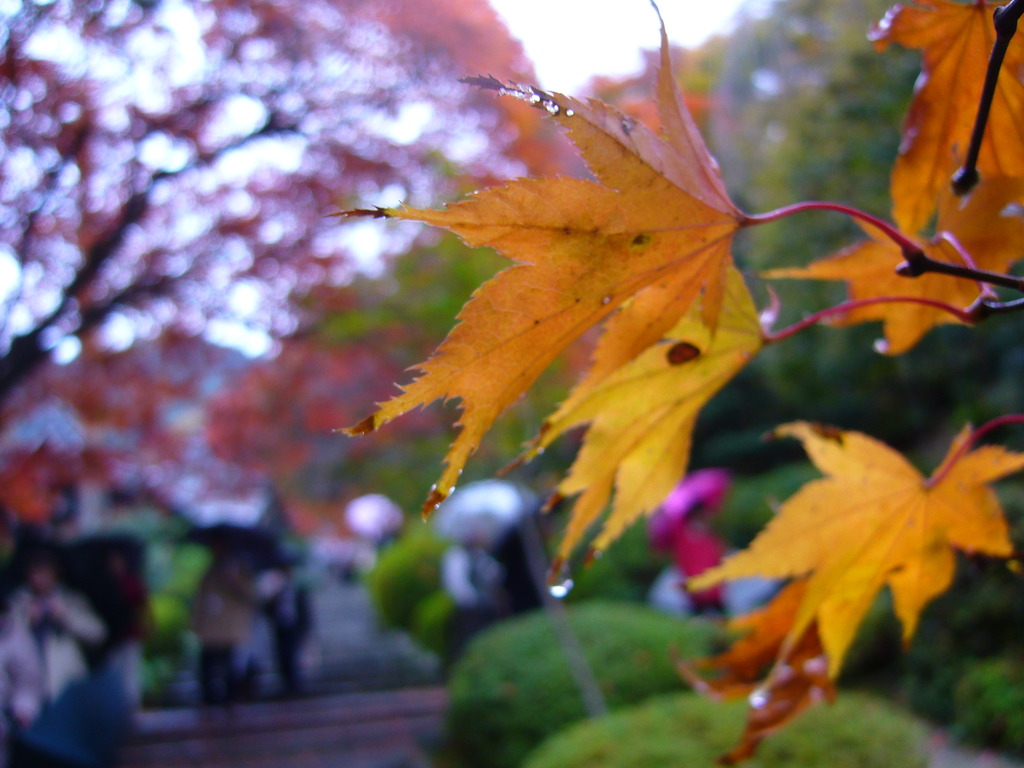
(561, 588)
(552, 108)
(559, 581)
(570, 112)
(606, 300)
(758, 699)
(540, 451)
(881, 346)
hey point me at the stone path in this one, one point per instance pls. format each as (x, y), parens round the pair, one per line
(373, 700)
(392, 729)
(946, 754)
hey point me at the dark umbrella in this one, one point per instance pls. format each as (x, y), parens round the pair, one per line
(85, 726)
(260, 547)
(88, 568)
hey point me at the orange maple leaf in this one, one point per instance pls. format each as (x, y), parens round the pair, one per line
(874, 520)
(658, 215)
(797, 680)
(956, 41)
(641, 416)
(986, 226)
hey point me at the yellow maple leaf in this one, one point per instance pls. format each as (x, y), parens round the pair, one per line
(641, 417)
(987, 225)
(874, 520)
(657, 215)
(956, 41)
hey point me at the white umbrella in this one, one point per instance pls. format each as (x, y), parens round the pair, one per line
(373, 516)
(481, 512)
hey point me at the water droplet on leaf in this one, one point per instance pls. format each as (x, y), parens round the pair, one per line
(559, 581)
(561, 589)
(758, 699)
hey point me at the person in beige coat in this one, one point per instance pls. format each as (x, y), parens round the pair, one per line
(59, 621)
(222, 619)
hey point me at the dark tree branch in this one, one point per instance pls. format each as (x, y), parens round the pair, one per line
(97, 313)
(27, 352)
(1006, 18)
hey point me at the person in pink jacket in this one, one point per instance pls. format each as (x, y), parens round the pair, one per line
(680, 527)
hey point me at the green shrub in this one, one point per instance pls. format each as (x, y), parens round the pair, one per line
(513, 688)
(174, 571)
(980, 617)
(431, 622)
(406, 573)
(989, 704)
(625, 571)
(688, 731)
(876, 653)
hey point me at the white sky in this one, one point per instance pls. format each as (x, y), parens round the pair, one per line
(571, 40)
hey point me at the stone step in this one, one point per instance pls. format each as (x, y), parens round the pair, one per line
(385, 729)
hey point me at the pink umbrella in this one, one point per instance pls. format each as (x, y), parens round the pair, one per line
(674, 528)
(705, 488)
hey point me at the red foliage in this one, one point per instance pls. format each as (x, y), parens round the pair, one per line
(166, 180)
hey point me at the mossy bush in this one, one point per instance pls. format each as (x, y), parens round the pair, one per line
(625, 571)
(174, 573)
(513, 687)
(875, 656)
(980, 617)
(431, 622)
(688, 731)
(405, 574)
(989, 704)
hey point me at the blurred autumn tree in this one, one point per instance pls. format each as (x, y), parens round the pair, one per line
(165, 171)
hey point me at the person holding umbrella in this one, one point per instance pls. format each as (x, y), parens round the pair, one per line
(60, 621)
(222, 618)
(680, 527)
(474, 519)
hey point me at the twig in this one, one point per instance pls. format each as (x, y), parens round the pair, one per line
(919, 263)
(988, 308)
(1005, 19)
(963, 315)
(910, 248)
(969, 443)
(953, 242)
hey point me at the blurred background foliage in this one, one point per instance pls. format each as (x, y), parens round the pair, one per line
(184, 320)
